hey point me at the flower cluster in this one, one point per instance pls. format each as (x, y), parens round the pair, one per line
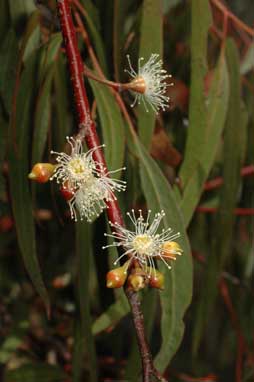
(149, 83)
(144, 244)
(86, 181)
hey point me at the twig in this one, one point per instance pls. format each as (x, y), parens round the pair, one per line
(137, 315)
(235, 20)
(88, 132)
(217, 182)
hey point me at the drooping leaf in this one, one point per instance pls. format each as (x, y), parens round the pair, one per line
(63, 118)
(178, 282)
(150, 42)
(42, 118)
(232, 158)
(111, 316)
(248, 61)
(112, 126)
(49, 53)
(33, 41)
(217, 103)
(19, 187)
(120, 14)
(92, 19)
(201, 20)
(8, 59)
(169, 4)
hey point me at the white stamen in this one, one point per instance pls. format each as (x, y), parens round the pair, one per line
(87, 179)
(143, 243)
(155, 83)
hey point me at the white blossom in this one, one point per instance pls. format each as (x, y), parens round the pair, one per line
(144, 243)
(87, 180)
(149, 83)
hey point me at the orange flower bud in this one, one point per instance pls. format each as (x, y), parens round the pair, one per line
(116, 277)
(136, 281)
(170, 249)
(41, 172)
(156, 280)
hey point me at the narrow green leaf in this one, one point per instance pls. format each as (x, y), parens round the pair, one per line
(120, 15)
(19, 187)
(150, 42)
(232, 158)
(83, 246)
(112, 125)
(92, 19)
(178, 282)
(42, 118)
(169, 4)
(33, 42)
(31, 39)
(112, 315)
(201, 20)
(217, 103)
(62, 104)
(49, 53)
(248, 61)
(8, 59)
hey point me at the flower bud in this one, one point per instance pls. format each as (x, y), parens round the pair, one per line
(170, 249)
(41, 172)
(137, 85)
(136, 281)
(156, 280)
(66, 192)
(116, 277)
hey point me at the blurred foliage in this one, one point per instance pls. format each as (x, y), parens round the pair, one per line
(206, 137)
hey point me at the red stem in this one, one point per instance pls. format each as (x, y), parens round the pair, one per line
(217, 182)
(86, 125)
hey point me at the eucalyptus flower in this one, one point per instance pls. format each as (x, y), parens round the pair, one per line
(85, 183)
(144, 243)
(149, 83)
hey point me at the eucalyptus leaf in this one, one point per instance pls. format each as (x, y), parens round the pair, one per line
(8, 59)
(150, 43)
(112, 126)
(232, 153)
(201, 21)
(19, 187)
